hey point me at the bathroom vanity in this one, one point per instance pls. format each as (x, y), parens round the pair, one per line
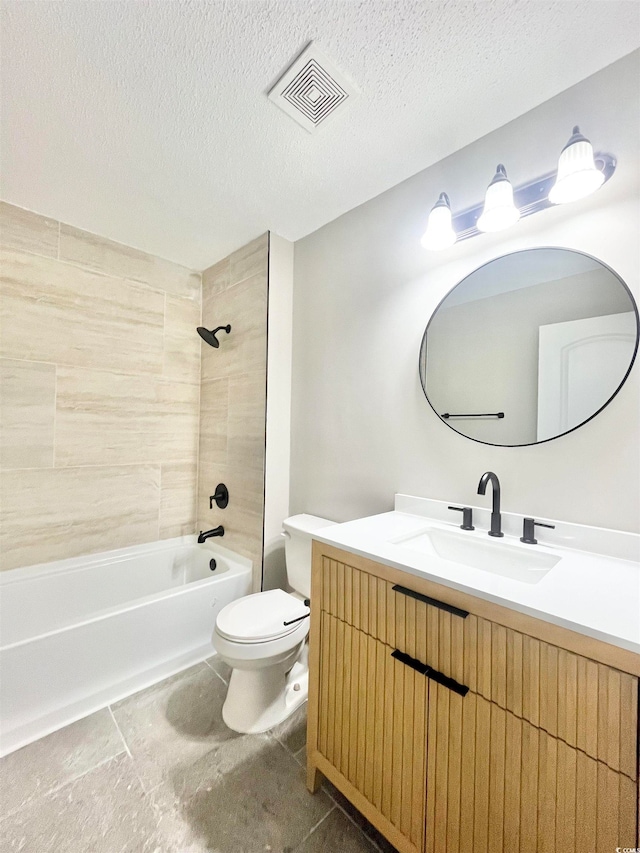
(463, 709)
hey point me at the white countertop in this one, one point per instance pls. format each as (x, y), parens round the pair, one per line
(597, 594)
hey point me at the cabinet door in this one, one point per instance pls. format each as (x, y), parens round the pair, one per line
(591, 706)
(497, 784)
(372, 724)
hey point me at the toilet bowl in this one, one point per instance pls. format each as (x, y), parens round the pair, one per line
(263, 639)
(269, 677)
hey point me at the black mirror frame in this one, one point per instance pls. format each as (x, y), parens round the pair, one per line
(582, 423)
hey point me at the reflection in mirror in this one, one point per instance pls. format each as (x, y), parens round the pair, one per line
(529, 346)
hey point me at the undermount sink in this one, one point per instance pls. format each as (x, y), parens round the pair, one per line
(498, 557)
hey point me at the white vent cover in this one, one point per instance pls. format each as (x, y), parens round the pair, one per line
(313, 89)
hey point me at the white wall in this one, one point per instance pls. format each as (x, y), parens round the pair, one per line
(279, 322)
(364, 291)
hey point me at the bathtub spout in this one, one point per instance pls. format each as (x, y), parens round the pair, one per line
(217, 531)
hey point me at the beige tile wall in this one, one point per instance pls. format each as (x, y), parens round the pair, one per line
(100, 392)
(233, 399)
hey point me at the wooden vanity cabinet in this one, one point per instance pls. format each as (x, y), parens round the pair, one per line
(452, 731)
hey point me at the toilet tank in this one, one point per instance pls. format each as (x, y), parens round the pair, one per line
(298, 531)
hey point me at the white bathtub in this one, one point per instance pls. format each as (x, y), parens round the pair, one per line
(78, 634)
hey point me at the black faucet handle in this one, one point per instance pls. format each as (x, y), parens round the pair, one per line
(528, 530)
(467, 516)
(221, 497)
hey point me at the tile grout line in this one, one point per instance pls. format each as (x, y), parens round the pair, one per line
(336, 804)
(287, 749)
(242, 281)
(55, 379)
(56, 788)
(9, 247)
(159, 498)
(351, 820)
(99, 465)
(94, 270)
(178, 270)
(55, 413)
(215, 672)
(164, 331)
(28, 360)
(196, 496)
(122, 737)
(313, 828)
(147, 374)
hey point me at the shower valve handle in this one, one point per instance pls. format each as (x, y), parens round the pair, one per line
(221, 497)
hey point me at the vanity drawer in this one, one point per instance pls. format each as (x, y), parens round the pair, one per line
(590, 706)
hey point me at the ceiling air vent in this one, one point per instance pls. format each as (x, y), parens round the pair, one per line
(312, 90)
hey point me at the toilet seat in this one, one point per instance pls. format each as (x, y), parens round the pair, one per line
(261, 617)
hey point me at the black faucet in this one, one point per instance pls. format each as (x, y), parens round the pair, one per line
(487, 477)
(217, 531)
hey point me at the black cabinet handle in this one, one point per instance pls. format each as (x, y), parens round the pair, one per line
(457, 611)
(451, 683)
(430, 672)
(407, 660)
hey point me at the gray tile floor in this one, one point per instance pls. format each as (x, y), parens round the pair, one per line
(159, 772)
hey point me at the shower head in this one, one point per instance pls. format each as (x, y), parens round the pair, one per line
(210, 336)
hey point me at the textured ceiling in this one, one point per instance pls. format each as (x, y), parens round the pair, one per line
(148, 122)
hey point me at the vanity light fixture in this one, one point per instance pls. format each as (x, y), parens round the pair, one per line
(439, 233)
(578, 176)
(579, 173)
(499, 210)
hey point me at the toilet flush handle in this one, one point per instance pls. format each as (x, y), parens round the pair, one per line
(286, 534)
(307, 603)
(299, 619)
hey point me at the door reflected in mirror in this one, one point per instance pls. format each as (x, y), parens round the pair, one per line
(529, 347)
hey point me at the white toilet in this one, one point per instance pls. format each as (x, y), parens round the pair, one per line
(263, 638)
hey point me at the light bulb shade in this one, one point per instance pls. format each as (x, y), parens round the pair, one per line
(439, 233)
(577, 175)
(499, 210)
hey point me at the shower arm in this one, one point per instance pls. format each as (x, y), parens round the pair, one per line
(209, 335)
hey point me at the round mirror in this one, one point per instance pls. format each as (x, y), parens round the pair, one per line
(529, 347)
